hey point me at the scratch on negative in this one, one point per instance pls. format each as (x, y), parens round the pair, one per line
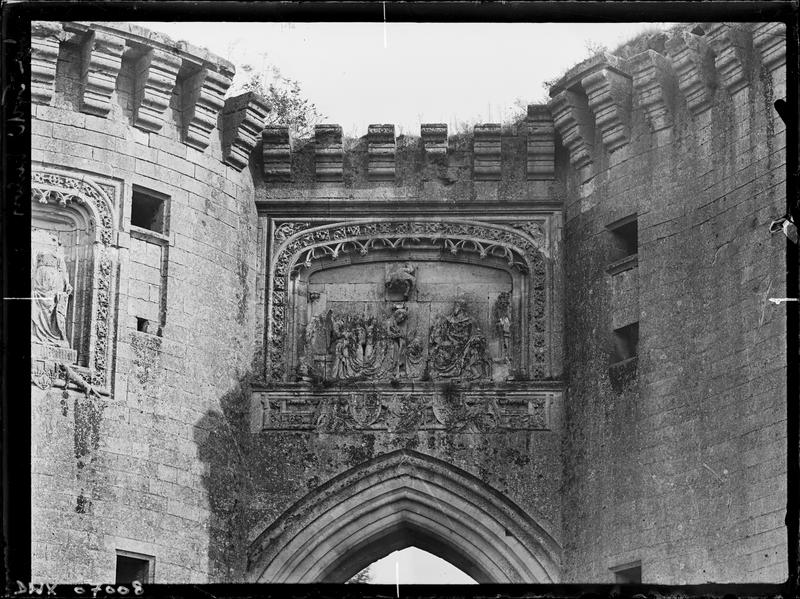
(764, 303)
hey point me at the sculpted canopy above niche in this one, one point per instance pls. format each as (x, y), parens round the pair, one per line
(405, 300)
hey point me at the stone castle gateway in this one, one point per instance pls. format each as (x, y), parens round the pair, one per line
(543, 352)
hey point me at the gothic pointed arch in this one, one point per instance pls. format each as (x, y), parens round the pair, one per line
(399, 499)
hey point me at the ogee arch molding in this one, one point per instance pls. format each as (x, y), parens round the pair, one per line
(395, 500)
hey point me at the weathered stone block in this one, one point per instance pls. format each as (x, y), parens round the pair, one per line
(156, 76)
(102, 58)
(693, 61)
(573, 121)
(540, 143)
(277, 153)
(328, 152)
(46, 38)
(381, 152)
(203, 94)
(434, 138)
(243, 119)
(486, 152)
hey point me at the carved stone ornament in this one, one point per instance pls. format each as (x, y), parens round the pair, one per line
(297, 245)
(65, 191)
(406, 412)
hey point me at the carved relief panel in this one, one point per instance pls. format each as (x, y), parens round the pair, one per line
(407, 300)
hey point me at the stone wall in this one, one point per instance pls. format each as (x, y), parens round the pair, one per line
(118, 107)
(646, 420)
(676, 458)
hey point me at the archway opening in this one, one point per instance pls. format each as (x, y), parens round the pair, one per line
(395, 501)
(412, 565)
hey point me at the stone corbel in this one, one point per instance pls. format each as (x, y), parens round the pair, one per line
(243, 119)
(609, 94)
(381, 152)
(203, 99)
(486, 150)
(277, 153)
(434, 138)
(102, 59)
(541, 143)
(769, 40)
(652, 78)
(693, 61)
(328, 152)
(46, 38)
(156, 77)
(573, 121)
(733, 46)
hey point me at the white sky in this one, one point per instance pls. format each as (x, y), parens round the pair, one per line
(415, 566)
(427, 72)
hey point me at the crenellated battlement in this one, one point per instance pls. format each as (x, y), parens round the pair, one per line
(597, 96)
(383, 157)
(162, 71)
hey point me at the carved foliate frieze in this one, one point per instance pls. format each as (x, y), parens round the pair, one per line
(63, 190)
(344, 346)
(445, 408)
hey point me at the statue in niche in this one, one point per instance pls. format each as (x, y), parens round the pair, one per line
(502, 319)
(402, 278)
(396, 332)
(456, 347)
(50, 291)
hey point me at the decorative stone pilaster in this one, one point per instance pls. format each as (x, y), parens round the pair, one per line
(243, 119)
(541, 143)
(652, 78)
(328, 152)
(609, 94)
(486, 150)
(102, 59)
(434, 138)
(733, 46)
(693, 61)
(573, 121)
(769, 40)
(277, 153)
(203, 94)
(156, 74)
(46, 38)
(381, 152)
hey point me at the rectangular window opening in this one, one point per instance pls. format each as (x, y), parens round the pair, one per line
(142, 325)
(625, 238)
(628, 573)
(149, 210)
(134, 566)
(625, 342)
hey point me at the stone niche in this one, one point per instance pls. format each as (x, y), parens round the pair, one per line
(72, 271)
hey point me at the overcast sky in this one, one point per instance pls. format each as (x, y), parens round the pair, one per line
(425, 72)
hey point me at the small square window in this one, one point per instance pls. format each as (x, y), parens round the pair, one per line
(134, 566)
(625, 341)
(149, 210)
(624, 238)
(628, 573)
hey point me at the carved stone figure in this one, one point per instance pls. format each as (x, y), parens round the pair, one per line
(396, 333)
(456, 347)
(502, 317)
(402, 278)
(50, 291)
